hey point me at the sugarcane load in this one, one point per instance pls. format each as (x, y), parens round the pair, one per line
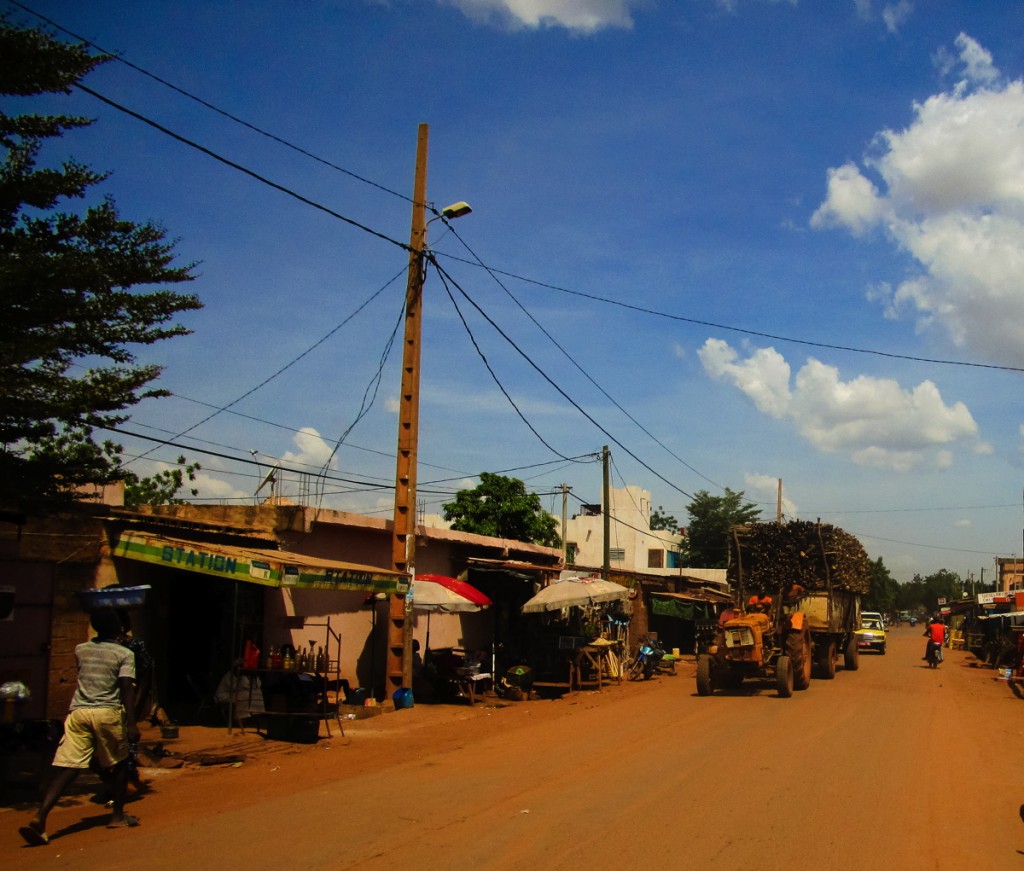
(767, 557)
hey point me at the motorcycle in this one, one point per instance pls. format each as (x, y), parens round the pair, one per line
(934, 654)
(647, 660)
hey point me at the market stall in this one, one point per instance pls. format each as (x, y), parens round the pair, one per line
(578, 638)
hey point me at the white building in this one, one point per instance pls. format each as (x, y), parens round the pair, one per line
(634, 546)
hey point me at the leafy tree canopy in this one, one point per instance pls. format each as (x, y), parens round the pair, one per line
(70, 279)
(502, 508)
(923, 593)
(884, 595)
(707, 538)
(161, 488)
(661, 520)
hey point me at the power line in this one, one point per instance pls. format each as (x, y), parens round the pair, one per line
(575, 363)
(565, 395)
(245, 170)
(741, 330)
(223, 112)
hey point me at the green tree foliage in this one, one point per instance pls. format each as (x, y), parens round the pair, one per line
(161, 488)
(71, 307)
(502, 508)
(884, 595)
(923, 594)
(661, 520)
(707, 538)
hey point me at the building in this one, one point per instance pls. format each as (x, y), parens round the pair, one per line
(634, 546)
(221, 575)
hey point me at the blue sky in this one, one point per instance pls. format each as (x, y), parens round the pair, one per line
(716, 209)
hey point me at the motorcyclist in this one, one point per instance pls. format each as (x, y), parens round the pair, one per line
(935, 632)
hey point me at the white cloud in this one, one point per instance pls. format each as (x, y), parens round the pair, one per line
(313, 450)
(952, 197)
(764, 377)
(581, 16)
(873, 421)
(895, 14)
(852, 202)
(977, 61)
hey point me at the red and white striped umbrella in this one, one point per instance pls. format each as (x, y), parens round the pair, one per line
(442, 593)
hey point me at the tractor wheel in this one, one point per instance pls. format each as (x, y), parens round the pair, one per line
(851, 656)
(798, 649)
(705, 686)
(784, 676)
(827, 660)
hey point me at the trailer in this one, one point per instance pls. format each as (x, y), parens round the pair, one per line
(815, 574)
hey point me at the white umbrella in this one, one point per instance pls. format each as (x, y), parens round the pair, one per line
(575, 592)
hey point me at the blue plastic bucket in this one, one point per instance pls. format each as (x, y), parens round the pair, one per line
(402, 698)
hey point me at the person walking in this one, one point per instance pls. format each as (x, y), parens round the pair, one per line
(100, 724)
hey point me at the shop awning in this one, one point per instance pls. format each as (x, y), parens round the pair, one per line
(683, 606)
(269, 568)
(1004, 615)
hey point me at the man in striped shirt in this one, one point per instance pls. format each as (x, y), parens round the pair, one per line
(100, 723)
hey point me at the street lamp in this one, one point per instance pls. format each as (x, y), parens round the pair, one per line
(403, 541)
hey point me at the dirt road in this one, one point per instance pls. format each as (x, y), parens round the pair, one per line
(892, 766)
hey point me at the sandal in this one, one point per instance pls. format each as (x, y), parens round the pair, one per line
(126, 822)
(34, 836)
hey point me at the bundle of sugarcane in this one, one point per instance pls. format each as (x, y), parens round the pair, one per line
(813, 555)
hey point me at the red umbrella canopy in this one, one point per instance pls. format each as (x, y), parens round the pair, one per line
(460, 588)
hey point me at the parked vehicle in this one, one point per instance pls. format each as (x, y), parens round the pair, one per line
(871, 635)
(648, 656)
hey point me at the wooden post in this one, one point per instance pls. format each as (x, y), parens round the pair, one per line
(403, 545)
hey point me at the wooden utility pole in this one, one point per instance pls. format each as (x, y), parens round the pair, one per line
(403, 543)
(606, 497)
(565, 520)
(778, 504)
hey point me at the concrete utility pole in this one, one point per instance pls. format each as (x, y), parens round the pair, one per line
(398, 667)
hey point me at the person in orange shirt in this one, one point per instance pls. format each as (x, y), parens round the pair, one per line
(935, 632)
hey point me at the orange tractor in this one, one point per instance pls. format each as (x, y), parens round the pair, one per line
(763, 642)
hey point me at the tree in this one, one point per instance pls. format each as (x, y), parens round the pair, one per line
(923, 594)
(660, 520)
(708, 531)
(502, 508)
(161, 488)
(72, 309)
(884, 595)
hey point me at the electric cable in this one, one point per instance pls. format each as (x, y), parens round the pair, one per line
(493, 374)
(743, 331)
(245, 170)
(293, 361)
(574, 362)
(561, 392)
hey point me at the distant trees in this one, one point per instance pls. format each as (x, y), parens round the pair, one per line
(71, 307)
(707, 538)
(502, 508)
(923, 593)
